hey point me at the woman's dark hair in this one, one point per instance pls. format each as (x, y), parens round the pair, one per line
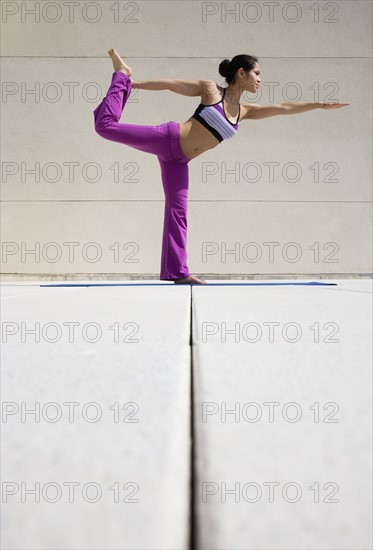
(228, 68)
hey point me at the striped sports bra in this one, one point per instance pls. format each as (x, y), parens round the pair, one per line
(213, 118)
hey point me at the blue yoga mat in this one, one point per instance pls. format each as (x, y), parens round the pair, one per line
(173, 284)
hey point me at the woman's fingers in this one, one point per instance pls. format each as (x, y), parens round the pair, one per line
(334, 105)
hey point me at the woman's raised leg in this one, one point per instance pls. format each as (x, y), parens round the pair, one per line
(108, 113)
(150, 139)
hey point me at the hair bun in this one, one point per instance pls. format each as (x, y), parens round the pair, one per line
(224, 67)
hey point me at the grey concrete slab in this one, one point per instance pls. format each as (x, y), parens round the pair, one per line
(110, 378)
(283, 419)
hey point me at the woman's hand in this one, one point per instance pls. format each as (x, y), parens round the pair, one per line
(333, 105)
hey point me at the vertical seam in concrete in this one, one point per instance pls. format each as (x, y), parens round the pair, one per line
(192, 509)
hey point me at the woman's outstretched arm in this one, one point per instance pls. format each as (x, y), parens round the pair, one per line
(149, 84)
(254, 111)
(183, 87)
(296, 108)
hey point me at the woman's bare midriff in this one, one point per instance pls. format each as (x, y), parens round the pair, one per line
(195, 139)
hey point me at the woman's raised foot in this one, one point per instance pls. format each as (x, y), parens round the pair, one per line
(118, 63)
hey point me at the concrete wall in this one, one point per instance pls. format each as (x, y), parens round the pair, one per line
(287, 195)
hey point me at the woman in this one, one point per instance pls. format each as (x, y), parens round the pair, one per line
(175, 144)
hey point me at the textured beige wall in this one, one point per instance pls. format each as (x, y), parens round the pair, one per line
(287, 195)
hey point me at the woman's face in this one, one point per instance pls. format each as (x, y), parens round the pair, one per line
(252, 79)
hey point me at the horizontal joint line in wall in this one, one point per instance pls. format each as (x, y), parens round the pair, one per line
(189, 201)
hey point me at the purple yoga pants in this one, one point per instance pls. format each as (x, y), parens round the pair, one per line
(164, 142)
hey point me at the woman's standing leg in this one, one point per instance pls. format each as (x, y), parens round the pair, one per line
(175, 179)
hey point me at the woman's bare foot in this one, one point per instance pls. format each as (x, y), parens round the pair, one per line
(190, 280)
(118, 62)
